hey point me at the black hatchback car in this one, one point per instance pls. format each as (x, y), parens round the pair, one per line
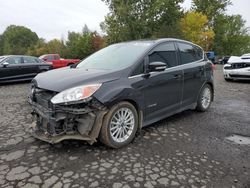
(118, 90)
(20, 68)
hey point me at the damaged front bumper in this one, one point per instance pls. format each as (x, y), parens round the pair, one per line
(237, 71)
(59, 123)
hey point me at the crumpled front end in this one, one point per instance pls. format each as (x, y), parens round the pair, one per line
(237, 71)
(55, 123)
(237, 68)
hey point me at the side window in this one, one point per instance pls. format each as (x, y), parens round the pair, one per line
(189, 53)
(30, 60)
(50, 58)
(56, 57)
(199, 53)
(139, 69)
(14, 60)
(165, 53)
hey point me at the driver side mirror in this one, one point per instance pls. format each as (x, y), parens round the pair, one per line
(157, 66)
(5, 64)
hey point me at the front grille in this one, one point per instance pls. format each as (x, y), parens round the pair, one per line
(239, 76)
(42, 97)
(240, 65)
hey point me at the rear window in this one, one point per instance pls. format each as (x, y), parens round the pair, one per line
(189, 53)
(30, 60)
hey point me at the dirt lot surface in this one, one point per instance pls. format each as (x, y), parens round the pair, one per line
(189, 149)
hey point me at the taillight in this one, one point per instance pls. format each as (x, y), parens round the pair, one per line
(213, 66)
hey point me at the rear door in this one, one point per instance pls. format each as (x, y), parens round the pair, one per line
(193, 65)
(164, 89)
(31, 66)
(13, 70)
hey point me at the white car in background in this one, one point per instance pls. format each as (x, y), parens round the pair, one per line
(237, 68)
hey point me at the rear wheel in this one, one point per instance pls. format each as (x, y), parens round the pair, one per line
(205, 98)
(119, 125)
(70, 64)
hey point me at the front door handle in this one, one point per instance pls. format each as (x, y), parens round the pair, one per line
(177, 76)
(201, 69)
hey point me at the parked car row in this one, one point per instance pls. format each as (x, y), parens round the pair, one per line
(21, 68)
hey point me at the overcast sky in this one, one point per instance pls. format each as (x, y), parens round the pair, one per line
(54, 18)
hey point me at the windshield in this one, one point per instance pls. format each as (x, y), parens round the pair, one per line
(114, 57)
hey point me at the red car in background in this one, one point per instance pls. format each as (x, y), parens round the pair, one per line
(57, 61)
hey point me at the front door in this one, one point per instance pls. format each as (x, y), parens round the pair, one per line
(12, 71)
(163, 90)
(31, 66)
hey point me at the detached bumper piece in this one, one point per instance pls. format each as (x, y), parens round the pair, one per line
(54, 124)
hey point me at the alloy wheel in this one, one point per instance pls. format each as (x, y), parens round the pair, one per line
(122, 124)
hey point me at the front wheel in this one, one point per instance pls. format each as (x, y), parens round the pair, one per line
(205, 98)
(119, 125)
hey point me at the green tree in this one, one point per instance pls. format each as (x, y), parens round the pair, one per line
(81, 45)
(232, 36)
(1, 44)
(38, 49)
(139, 19)
(210, 8)
(196, 29)
(54, 46)
(18, 39)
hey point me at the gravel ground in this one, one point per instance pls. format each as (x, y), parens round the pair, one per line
(189, 149)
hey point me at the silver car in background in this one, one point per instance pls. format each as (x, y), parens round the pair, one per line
(237, 68)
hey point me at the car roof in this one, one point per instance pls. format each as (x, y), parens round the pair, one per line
(6, 56)
(161, 40)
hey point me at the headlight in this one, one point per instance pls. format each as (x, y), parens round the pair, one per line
(227, 66)
(75, 94)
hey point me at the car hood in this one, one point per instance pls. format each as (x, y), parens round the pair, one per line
(236, 59)
(61, 79)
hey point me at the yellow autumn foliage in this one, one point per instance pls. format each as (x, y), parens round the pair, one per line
(195, 28)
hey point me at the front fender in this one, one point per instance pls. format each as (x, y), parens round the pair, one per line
(113, 92)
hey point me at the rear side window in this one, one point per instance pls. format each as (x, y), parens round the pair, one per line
(165, 53)
(56, 57)
(30, 60)
(189, 53)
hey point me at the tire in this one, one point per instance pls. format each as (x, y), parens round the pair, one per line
(112, 129)
(205, 98)
(70, 64)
